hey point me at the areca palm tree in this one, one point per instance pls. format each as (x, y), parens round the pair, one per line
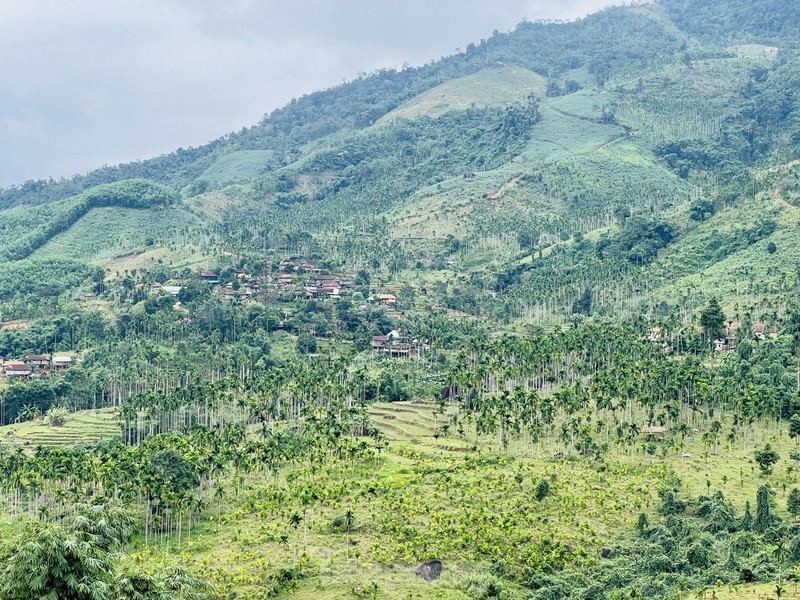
(780, 553)
(295, 521)
(348, 521)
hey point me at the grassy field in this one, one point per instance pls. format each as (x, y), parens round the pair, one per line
(755, 51)
(717, 255)
(107, 232)
(192, 257)
(237, 166)
(430, 485)
(500, 86)
(585, 104)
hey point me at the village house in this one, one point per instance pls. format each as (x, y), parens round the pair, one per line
(387, 299)
(325, 281)
(227, 292)
(172, 290)
(84, 296)
(762, 331)
(286, 283)
(394, 345)
(16, 368)
(62, 363)
(379, 342)
(323, 286)
(308, 266)
(658, 432)
(209, 276)
(322, 292)
(728, 343)
(37, 361)
(291, 289)
(300, 265)
(383, 344)
(657, 335)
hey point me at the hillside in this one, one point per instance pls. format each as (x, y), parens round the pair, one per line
(512, 145)
(528, 313)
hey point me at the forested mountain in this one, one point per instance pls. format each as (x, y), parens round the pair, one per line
(525, 316)
(632, 111)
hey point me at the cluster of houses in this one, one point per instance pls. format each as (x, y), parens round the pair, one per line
(317, 286)
(733, 333)
(305, 278)
(760, 331)
(299, 278)
(247, 289)
(395, 345)
(35, 365)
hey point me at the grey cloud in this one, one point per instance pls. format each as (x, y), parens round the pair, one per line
(91, 82)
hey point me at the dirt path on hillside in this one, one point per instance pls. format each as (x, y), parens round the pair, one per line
(778, 193)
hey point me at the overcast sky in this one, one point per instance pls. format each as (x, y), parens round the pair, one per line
(93, 82)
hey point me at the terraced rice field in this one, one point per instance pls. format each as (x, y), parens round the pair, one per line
(80, 428)
(418, 423)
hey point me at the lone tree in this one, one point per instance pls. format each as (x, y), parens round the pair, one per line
(794, 427)
(306, 344)
(763, 520)
(583, 305)
(793, 503)
(712, 320)
(766, 459)
(542, 490)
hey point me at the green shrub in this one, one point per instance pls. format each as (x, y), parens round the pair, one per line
(56, 416)
(542, 490)
(486, 586)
